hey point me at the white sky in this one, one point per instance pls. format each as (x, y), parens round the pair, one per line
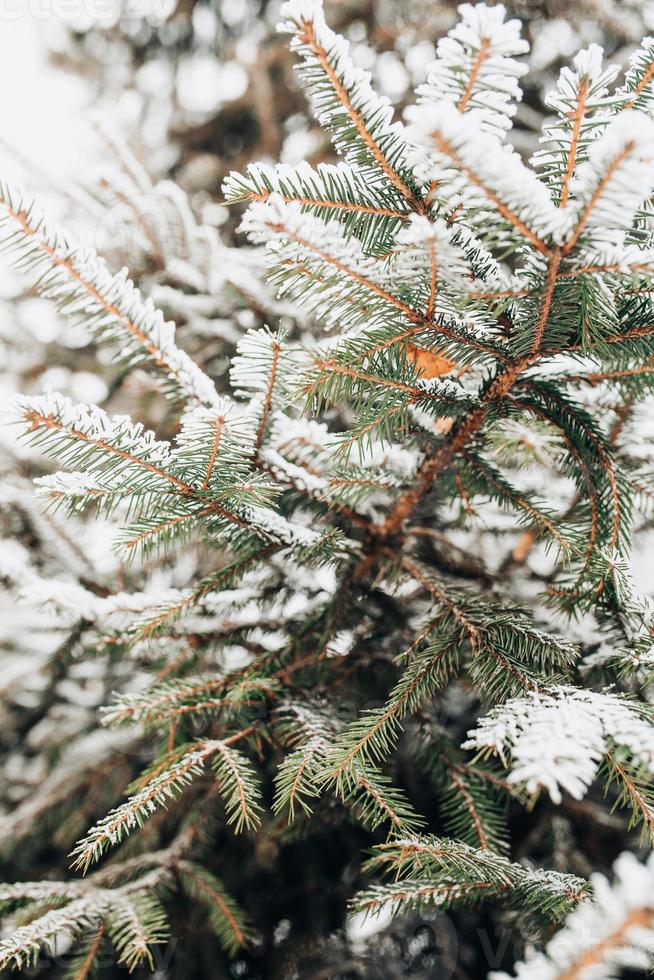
(39, 105)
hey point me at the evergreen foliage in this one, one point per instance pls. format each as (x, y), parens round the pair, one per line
(462, 320)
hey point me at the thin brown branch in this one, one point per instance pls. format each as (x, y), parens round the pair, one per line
(332, 367)
(375, 422)
(381, 802)
(577, 119)
(205, 887)
(317, 202)
(411, 314)
(433, 280)
(87, 964)
(638, 802)
(467, 625)
(523, 546)
(242, 795)
(267, 398)
(448, 150)
(469, 628)
(172, 735)
(428, 892)
(633, 334)
(219, 425)
(37, 420)
(647, 76)
(307, 36)
(394, 709)
(67, 263)
(427, 326)
(482, 55)
(597, 193)
(210, 585)
(523, 504)
(422, 325)
(622, 413)
(133, 542)
(459, 437)
(596, 377)
(546, 302)
(469, 804)
(611, 476)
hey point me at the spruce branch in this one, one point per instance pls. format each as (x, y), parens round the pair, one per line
(344, 101)
(445, 873)
(79, 281)
(575, 728)
(475, 67)
(234, 780)
(227, 920)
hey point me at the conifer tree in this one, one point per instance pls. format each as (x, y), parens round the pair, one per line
(358, 656)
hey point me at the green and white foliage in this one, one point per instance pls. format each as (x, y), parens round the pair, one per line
(61, 912)
(476, 68)
(603, 938)
(320, 584)
(79, 282)
(556, 741)
(583, 106)
(444, 872)
(359, 121)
